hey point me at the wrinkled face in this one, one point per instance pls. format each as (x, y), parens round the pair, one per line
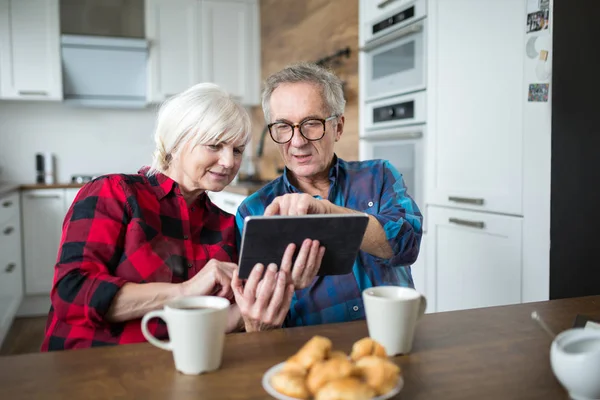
(293, 103)
(210, 166)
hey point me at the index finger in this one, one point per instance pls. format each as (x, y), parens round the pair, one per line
(273, 208)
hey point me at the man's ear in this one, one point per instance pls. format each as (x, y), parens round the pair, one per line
(339, 128)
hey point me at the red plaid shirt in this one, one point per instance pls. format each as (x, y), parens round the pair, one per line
(128, 228)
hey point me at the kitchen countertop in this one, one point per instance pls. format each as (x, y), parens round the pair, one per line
(33, 186)
(6, 188)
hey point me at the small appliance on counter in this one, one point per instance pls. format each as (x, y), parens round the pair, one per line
(82, 178)
(45, 167)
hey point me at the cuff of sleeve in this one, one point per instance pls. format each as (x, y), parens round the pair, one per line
(104, 292)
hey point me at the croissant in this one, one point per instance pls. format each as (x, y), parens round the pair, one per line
(315, 350)
(380, 374)
(345, 389)
(290, 384)
(323, 372)
(367, 347)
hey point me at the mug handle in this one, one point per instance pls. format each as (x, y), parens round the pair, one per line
(422, 306)
(166, 345)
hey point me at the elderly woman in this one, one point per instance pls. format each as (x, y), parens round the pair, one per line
(131, 243)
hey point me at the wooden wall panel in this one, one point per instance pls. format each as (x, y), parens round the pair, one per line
(307, 30)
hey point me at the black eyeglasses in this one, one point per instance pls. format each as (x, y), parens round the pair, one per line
(310, 128)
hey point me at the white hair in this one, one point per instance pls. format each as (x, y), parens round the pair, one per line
(203, 114)
(330, 85)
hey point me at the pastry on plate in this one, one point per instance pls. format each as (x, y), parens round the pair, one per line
(315, 350)
(380, 374)
(290, 384)
(367, 347)
(325, 371)
(345, 389)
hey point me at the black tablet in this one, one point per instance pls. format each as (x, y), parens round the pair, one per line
(264, 239)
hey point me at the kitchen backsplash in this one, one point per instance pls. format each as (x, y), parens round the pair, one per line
(84, 141)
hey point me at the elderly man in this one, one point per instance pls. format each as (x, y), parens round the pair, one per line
(304, 108)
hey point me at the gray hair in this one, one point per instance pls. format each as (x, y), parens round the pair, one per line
(330, 85)
(203, 114)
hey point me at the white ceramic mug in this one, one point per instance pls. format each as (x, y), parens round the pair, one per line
(575, 360)
(392, 313)
(196, 328)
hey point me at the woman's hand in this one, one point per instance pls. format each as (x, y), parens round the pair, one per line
(214, 279)
(266, 308)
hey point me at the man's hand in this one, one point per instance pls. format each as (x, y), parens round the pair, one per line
(298, 204)
(266, 308)
(307, 263)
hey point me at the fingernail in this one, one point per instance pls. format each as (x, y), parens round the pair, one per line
(273, 267)
(259, 268)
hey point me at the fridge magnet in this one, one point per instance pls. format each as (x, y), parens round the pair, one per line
(538, 21)
(538, 92)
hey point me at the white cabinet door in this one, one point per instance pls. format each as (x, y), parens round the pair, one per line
(230, 47)
(70, 195)
(30, 66)
(476, 95)
(475, 259)
(172, 27)
(43, 215)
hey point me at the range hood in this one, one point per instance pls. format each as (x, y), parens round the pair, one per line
(107, 72)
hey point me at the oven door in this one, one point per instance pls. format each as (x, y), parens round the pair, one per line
(403, 148)
(397, 66)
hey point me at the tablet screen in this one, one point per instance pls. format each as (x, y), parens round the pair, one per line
(264, 239)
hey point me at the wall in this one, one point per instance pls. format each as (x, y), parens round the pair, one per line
(85, 141)
(308, 30)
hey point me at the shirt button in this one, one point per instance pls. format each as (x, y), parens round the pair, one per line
(370, 204)
(189, 265)
(355, 308)
(185, 237)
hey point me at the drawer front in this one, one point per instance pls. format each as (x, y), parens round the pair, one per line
(9, 207)
(11, 267)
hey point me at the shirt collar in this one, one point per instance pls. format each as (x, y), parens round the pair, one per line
(333, 175)
(161, 184)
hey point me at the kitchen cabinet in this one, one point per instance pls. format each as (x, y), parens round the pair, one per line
(473, 259)
(30, 66)
(43, 214)
(476, 94)
(11, 268)
(226, 201)
(173, 31)
(231, 50)
(419, 271)
(194, 41)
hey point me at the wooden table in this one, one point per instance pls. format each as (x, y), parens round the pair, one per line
(490, 353)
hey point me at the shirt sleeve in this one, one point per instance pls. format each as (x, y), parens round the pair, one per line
(91, 246)
(400, 218)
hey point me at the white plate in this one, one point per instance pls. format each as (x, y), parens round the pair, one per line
(266, 382)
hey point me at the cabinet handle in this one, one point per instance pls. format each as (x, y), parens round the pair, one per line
(470, 224)
(384, 3)
(7, 204)
(10, 267)
(9, 230)
(466, 200)
(43, 196)
(33, 93)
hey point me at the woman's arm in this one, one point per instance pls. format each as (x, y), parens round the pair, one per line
(134, 300)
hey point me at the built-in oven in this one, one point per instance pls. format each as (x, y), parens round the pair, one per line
(394, 59)
(395, 131)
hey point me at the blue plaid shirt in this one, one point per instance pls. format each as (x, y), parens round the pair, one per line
(374, 187)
